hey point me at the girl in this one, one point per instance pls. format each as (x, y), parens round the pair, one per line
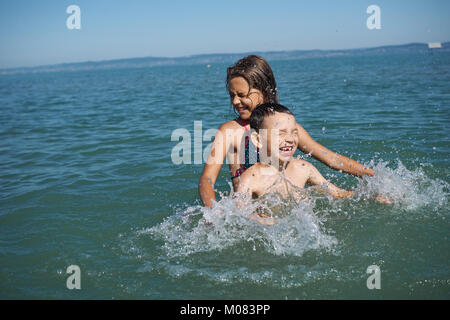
(250, 82)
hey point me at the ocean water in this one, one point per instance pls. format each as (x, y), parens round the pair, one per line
(87, 179)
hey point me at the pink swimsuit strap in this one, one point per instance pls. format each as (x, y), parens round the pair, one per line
(243, 167)
(245, 124)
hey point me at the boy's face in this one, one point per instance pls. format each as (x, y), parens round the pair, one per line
(281, 139)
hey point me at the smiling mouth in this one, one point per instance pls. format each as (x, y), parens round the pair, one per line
(287, 150)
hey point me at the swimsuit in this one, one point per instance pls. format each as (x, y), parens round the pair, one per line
(247, 165)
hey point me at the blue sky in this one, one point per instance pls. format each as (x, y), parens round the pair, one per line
(34, 32)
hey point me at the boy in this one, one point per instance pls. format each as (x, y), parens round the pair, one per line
(275, 134)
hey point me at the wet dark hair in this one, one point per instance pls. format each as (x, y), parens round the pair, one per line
(263, 111)
(258, 74)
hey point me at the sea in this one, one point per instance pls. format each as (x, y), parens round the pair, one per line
(95, 205)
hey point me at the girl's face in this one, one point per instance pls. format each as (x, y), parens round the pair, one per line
(243, 98)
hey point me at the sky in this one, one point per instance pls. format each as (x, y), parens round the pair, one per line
(34, 33)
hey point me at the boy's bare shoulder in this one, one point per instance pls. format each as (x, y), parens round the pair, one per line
(253, 177)
(256, 170)
(300, 164)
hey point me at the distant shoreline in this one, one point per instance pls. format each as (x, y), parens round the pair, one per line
(224, 58)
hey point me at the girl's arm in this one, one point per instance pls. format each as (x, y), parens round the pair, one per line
(206, 184)
(333, 160)
(212, 167)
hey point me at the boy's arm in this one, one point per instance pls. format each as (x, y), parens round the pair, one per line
(245, 186)
(249, 186)
(316, 179)
(333, 160)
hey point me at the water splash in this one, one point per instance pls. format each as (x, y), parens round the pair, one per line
(300, 224)
(308, 244)
(408, 189)
(226, 225)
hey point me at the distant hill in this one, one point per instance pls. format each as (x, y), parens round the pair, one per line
(227, 58)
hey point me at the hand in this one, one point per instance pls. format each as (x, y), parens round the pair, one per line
(383, 199)
(262, 218)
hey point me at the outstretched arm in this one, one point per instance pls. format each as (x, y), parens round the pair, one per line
(333, 160)
(316, 179)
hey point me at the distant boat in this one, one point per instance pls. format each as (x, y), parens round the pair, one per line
(434, 45)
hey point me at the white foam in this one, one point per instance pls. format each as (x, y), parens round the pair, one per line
(294, 233)
(409, 189)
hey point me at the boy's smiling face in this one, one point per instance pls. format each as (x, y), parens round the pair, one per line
(279, 136)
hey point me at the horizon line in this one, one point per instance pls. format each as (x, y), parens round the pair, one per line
(206, 54)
